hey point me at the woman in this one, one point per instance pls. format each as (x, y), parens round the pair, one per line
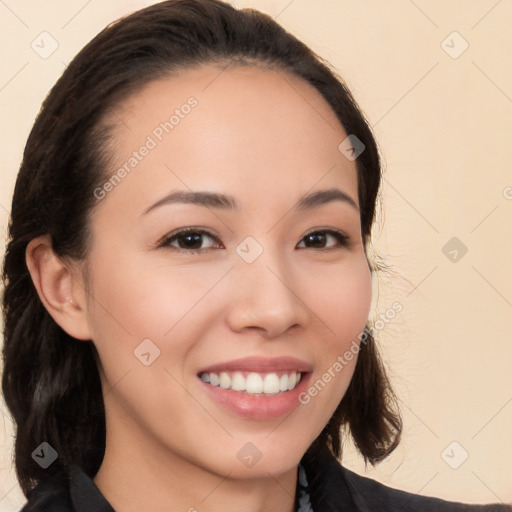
(187, 280)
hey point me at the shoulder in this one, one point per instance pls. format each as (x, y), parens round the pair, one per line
(376, 496)
(334, 487)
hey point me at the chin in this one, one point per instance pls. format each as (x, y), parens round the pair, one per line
(259, 456)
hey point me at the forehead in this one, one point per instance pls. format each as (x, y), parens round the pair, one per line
(245, 128)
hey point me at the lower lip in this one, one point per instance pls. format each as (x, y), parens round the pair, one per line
(258, 407)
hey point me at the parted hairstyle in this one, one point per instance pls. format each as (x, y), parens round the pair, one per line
(50, 380)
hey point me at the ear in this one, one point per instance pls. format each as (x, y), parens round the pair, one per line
(59, 286)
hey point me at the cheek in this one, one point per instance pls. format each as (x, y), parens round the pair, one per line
(169, 305)
(342, 305)
(133, 301)
(342, 300)
(147, 299)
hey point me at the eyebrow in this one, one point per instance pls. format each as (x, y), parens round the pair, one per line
(216, 200)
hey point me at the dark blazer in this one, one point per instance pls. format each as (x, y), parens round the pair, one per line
(332, 488)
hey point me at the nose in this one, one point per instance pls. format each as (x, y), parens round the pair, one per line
(266, 298)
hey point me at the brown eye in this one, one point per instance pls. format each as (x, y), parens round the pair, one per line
(320, 239)
(189, 240)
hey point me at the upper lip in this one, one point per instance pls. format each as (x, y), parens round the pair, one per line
(260, 365)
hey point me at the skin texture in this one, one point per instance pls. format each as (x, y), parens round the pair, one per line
(266, 138)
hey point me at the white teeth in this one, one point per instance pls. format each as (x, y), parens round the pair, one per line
(254, 383)
(283, 382)
(292, 379)
(224, 380)
(271, 384)
(238, 382)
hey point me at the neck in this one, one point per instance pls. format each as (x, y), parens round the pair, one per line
(135, 476)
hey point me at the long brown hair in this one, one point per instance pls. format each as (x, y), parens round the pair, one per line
(50, 380)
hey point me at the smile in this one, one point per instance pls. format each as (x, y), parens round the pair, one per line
(256, 388)
(252, 383)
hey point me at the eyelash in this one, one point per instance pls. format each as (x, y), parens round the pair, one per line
(344, 240)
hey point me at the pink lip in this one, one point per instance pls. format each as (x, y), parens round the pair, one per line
(260, 365)
(259, 407)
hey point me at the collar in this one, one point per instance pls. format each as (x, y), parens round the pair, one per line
(85, 495)
(330, 491)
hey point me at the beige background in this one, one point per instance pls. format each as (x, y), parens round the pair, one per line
(444, 126)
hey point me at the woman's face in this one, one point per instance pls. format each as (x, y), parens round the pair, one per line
(261, 288)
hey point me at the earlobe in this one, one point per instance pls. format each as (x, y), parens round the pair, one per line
(60, 291)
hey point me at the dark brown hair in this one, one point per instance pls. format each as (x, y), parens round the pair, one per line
(50, 381)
